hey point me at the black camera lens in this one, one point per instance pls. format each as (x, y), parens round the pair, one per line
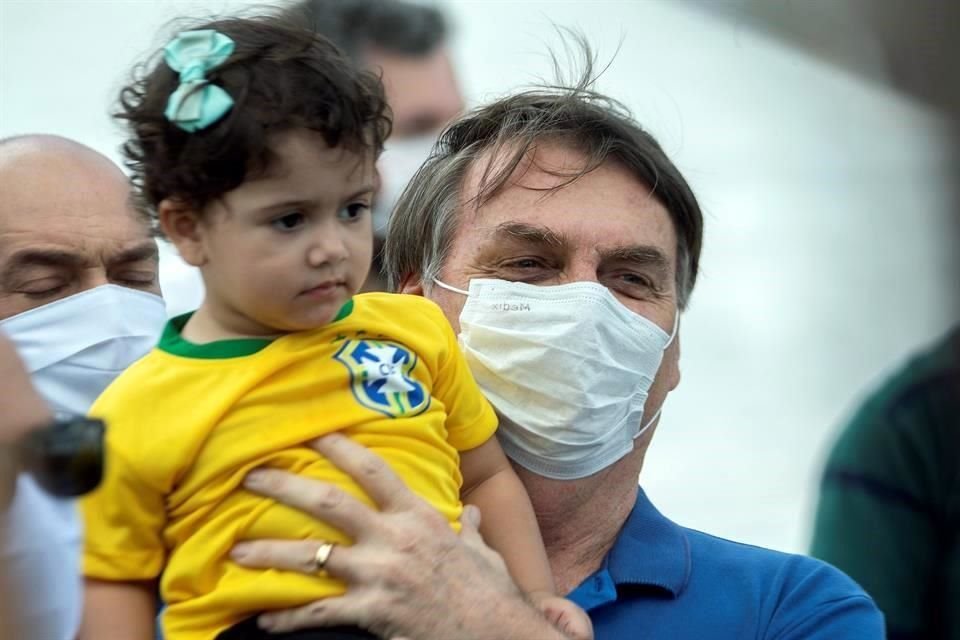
(66, 458)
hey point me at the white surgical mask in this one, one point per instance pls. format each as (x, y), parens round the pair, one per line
(567, 367)
(75, 347)
(400, 160)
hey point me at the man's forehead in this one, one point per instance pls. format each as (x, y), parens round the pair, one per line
(89, 217)
(544, 192)
(52, 155)
(421, 89)
(57, 212)
(545, 168)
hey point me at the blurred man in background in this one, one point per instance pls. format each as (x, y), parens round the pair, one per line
(889, 507)
(889, 512)
(407, 44)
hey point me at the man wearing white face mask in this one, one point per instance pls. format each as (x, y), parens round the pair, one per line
(562, 244)
(79, 300)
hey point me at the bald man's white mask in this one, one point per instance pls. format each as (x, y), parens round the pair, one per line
(76, 346)
(399, 162)
(568, 368)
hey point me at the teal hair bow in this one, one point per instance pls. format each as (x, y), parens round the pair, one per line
(196, 104)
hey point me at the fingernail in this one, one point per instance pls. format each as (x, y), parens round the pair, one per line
(256, 479)
(240, 551)
(471, 515)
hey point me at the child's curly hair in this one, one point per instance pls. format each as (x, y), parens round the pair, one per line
(280, 77)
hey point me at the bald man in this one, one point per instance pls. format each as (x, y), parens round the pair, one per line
(67, 224)
(79, 300)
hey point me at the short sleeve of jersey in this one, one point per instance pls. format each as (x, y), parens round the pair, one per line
(124, 516)
(471, 420)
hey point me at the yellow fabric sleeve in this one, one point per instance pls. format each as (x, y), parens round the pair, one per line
(471, 420)
(124, 519)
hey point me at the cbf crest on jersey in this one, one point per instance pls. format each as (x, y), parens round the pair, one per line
(380, 377)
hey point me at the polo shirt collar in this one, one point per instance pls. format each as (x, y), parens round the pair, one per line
(650, 551)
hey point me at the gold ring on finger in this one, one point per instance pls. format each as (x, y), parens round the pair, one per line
(322, 555)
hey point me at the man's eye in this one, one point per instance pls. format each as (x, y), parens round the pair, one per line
(289, 221)
(635, 279)
(634, 285)
(136, 278)
(524, 263)
(43, 288)
(354, 211)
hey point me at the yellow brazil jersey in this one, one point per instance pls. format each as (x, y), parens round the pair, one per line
(187, 422)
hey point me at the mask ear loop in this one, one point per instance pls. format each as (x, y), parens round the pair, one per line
(446, 286)
(676, 326)
(649, 424)
(673, 334)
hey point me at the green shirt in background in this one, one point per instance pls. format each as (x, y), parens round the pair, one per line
(889, 511)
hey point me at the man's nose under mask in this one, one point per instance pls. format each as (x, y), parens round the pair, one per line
(567, 367)
(76, 346)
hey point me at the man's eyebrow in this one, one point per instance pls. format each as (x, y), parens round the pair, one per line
(642, 255)
(144, 251)
(530, 233)
(29, 257)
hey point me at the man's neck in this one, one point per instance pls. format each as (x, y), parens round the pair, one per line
(580, 519)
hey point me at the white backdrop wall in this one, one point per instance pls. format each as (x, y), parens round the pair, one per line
(826, 257)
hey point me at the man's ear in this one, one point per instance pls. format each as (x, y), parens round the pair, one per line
(411, 284)
(181, 225)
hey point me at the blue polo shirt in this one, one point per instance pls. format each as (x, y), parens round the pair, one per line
(662, 580)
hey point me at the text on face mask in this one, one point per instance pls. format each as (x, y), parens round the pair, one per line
(510, 306)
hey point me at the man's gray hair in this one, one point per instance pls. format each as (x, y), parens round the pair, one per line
(504, 133)
(396, 26)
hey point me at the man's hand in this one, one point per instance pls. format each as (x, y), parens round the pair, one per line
(408, 574)
(564, 615)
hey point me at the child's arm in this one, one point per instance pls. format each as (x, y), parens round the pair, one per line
(124, 553)
(118, 610)
(508, 523)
